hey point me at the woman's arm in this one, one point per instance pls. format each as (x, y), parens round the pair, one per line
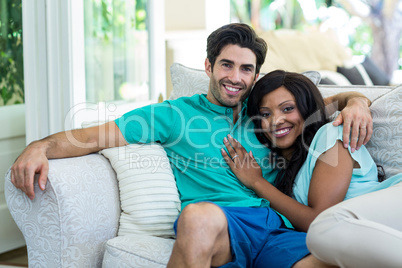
(329, 183)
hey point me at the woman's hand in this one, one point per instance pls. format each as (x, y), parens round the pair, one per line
(242, 163)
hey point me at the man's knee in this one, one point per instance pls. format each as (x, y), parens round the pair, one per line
(202, 217)
(202, 232)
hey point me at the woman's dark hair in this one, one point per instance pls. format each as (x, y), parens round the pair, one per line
(381, 173)
(310, 104)
(236, 34)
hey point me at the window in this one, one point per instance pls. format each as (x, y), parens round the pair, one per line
(124, 58)
(116, 50)
(82, 55)
(11, 53)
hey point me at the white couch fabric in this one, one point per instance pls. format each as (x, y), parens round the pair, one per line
(74, 222)
(68, 224)
(140, 251)
(385, 145)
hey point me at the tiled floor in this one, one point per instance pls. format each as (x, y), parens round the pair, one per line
(14, 258)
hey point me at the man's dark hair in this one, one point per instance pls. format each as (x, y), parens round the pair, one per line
(236, 34)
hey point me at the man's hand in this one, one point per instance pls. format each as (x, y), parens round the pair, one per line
(357, 122)
(77, 142)
(33, 160)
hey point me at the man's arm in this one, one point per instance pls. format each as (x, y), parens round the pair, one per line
(34, 159)
(355, 116)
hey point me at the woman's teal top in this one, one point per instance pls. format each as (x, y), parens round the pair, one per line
(364, 179)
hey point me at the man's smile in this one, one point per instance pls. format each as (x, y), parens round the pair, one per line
(231, 90)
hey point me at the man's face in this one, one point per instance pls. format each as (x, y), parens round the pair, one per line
(232, 77)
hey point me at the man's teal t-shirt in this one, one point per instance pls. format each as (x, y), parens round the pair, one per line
(191, 130)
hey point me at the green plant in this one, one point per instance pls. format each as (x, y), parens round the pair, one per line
(11, 53)
(109, 18)
(270, 14)
(362, 40)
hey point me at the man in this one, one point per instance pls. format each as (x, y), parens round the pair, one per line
(222, 222)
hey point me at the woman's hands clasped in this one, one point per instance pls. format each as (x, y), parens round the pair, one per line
(241, 162)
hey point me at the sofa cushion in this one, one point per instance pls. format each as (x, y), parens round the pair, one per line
(320, 51)
(333, 78)
(137, 251)
(327, 81)
(187, 81)
(378, 76)
(148, 194)
(386, 142)
(356, 74)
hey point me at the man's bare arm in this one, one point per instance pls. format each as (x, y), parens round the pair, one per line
(34, 159)
(355, 116)
(343, 98)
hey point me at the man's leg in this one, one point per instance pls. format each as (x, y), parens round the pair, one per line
(284, 247)
(202, 238)
(311, 262)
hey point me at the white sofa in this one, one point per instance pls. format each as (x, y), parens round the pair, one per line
(75, 221)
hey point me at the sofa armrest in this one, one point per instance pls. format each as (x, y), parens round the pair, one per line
(68, 223)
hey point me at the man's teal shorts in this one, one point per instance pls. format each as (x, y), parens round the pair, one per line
(259, 238)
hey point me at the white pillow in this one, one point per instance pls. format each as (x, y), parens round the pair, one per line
(148, 194)
(188, 81)
(385, 145)
(337, 78)
(364, 74)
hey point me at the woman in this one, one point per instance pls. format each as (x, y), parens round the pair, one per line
(317, 172)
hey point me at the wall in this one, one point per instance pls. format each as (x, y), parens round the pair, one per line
(12, 142)
(187, 26)
(181, 15)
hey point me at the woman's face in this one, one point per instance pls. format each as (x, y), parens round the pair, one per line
(281, 120)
